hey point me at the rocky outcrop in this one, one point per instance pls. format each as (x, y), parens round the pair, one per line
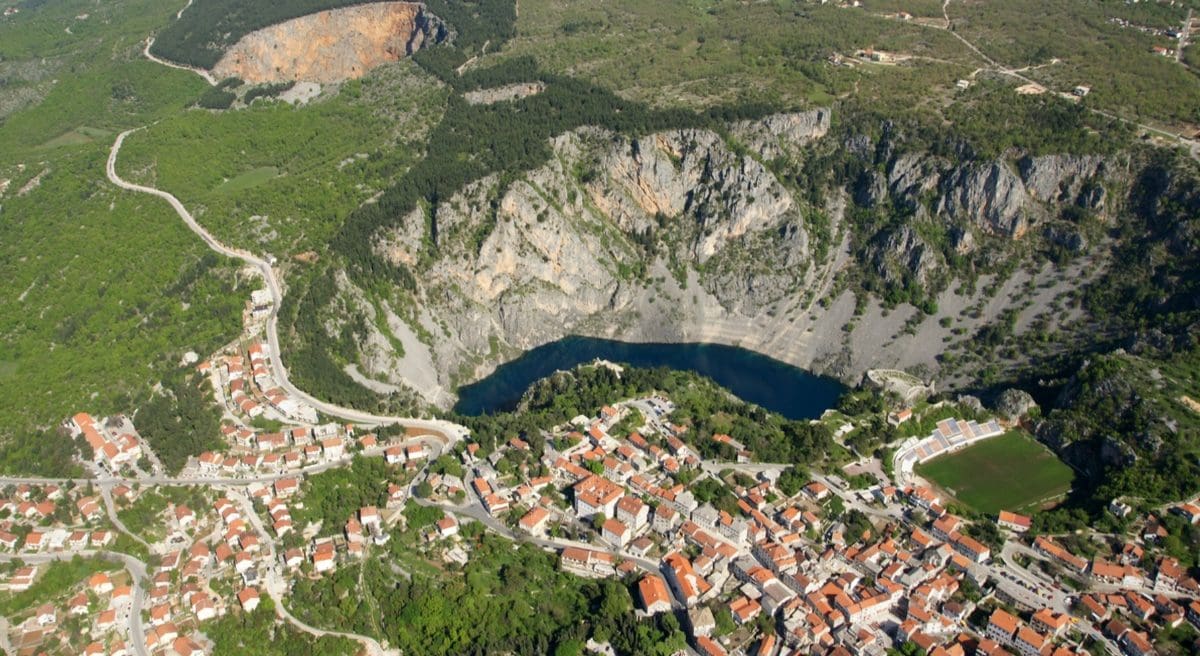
(331, 46)
(1065, 179)
(504, 94)
(901, 253)
(781, 134)
(1013, 404)
(679, 236)
(911, 174)
(693, 179)
(988, 195)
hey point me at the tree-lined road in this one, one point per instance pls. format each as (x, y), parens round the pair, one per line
(450, 431)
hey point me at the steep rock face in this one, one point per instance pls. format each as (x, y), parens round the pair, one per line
(779, 135)
(911, 174)
(690, 176)
(902, 252)
(990, 195)
(1065, 179)
(557, 252)
(676, 236)
(331, 46)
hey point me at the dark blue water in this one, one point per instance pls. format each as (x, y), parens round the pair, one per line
(792, 392)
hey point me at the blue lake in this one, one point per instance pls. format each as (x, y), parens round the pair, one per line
(790, 391)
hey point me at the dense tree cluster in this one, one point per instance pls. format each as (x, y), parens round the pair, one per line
(267, 91)
(259, 634)
(334, 496)
(180, 422)
(703, 406)
(792, 480)
(216, 98)
(43, 453)
(505, 600)
(476, 24)
(316, 360)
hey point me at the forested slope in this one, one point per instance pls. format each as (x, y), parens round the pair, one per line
(205, 29)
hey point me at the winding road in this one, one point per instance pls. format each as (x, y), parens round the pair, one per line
(450, 431)
(110, 508)
(212, 81)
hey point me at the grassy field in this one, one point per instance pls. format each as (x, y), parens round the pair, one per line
(1009, 472)
(248, 180)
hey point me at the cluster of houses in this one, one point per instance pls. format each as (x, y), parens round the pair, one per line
(292, 450)
(114, 442)
(180, 597)
(97, 603)
(828, 590)
(280, 451)
(1033, 638)
(175, 600)
(793, 572)
(50, 518)
(1124, 569)
(243, 380)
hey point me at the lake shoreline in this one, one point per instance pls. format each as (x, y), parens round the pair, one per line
(751, 376)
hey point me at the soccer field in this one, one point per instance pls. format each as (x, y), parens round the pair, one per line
(1009, 472)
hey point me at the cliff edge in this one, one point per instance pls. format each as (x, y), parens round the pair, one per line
(331, 46)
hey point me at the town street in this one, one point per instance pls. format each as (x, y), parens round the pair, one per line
(137, 574)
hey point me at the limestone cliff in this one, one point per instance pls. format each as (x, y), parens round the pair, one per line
(331, 46)
(691, 235)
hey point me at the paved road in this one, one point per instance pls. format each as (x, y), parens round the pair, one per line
(110, 508)
(276, 585)
(5, 644)
(451, 431)
(137, 574)
(198, 71)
